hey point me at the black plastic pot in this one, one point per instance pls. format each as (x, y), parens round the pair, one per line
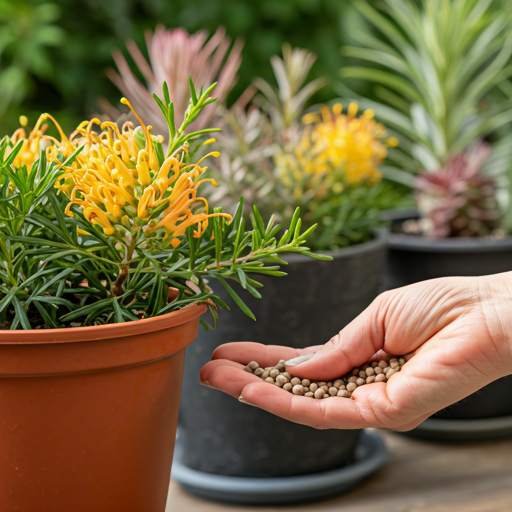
(217, 434)
(413, 258)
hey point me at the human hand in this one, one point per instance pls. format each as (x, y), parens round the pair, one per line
(456, 332)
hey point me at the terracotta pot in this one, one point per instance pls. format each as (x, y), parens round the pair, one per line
(88, 415)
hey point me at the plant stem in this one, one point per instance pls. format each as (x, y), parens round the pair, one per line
(117, 290)
(8, 260)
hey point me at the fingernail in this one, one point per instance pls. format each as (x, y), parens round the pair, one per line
(206, 384)
(298, 360)
(244, 401)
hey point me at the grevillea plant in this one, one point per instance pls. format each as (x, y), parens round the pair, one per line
(327, 163)
(103, 227)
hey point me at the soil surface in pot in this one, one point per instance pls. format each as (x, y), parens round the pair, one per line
(218, 434)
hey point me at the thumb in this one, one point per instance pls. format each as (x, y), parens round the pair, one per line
(352, 346)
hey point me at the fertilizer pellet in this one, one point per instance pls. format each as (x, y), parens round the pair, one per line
(377, 371)
(298, 389)
(281, 380)
(351, 386)
(319, 393)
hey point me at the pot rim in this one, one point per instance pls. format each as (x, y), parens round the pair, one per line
(102, 332)
(417, 243)
(380, 240)
(449, 245)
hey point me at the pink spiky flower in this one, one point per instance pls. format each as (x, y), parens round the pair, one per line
(174, 57)
(458, 200)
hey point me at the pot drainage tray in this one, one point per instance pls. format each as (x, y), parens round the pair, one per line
(371, 454)
(463, 430)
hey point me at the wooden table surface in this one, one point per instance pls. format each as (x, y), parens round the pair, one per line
(421, 476)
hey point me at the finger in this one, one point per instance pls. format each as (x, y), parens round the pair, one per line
(353, 346)
(232, 380)
(265, 355)
(211, 365)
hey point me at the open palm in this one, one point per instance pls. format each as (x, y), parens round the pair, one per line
(456, 333)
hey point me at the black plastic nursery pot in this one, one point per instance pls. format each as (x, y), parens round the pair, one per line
(219, 435)
(414, 258)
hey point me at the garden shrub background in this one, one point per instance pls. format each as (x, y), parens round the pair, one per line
(53, 55)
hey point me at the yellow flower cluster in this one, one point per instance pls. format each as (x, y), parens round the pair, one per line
(117, 178)
(36, 141)
(357, 144)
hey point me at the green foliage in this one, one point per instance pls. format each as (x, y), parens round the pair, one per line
(58, 270)
(27, 33)
(177, 136)
(353, 216)
(432, 65)
(94, 28)
(270, 156)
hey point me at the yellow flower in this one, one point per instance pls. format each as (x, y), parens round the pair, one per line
(36, 141)
(354, 143)
(335, 150)
(118, 180)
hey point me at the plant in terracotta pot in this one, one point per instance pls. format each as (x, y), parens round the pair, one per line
(328, 165)
(106, 249)
(441, 73)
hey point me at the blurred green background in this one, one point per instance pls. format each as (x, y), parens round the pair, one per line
(53, 55)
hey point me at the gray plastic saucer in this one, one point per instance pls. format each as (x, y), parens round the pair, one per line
(489, 429)
(371, 454)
